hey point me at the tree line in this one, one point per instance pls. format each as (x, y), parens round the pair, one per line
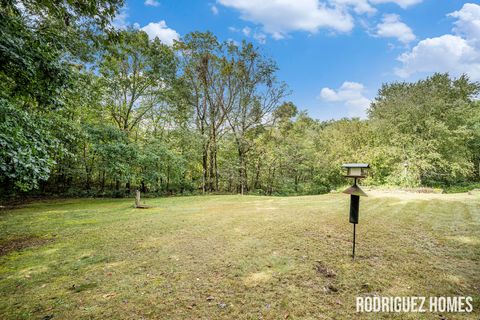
(89, 110)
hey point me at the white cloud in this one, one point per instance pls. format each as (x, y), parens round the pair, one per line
(279, 17)
(214, 9)
(260, 37)
(402, 3)
(153, 29)
(392, 27)
(454, 53)
(359, 6)
(233, 41)
(152, 3)
(246, 31)
(160, 30)
(120, 20)
(351, 94)
(447, 53)
(468, 23)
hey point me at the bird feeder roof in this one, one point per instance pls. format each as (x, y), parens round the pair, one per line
(356, 165)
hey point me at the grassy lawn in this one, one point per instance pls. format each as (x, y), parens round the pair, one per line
(234, 257)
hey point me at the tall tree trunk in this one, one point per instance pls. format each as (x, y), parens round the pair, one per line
(211, 173)
(256, 183)
(204, 166)
(103, 181)
(216, 168)
(271, 179)
(242, 171)
(168, 179)
(296, 181)
(213, 170)
(87, 167)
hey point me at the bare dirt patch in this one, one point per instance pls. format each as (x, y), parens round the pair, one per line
(321, 268)
(18, 244)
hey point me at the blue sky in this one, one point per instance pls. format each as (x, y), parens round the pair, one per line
(333, 54)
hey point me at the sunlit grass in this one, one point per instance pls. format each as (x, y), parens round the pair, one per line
(234, 257)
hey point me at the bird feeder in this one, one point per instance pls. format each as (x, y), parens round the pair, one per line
(356, 171)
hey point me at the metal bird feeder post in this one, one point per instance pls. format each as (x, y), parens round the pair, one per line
(356, 171)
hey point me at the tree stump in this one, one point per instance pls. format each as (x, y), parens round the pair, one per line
(137, 201)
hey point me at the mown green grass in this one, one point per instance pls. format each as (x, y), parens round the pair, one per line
(237, 257)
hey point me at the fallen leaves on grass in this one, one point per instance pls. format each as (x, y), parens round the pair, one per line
(321, 268)
(109, 295)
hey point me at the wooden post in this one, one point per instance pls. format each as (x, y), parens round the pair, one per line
(137, 199)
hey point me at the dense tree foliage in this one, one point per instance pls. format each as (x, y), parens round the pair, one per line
(86, 110)
(428, 129)
(41, 45)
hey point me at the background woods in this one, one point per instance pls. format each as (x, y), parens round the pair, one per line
(88, 110)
